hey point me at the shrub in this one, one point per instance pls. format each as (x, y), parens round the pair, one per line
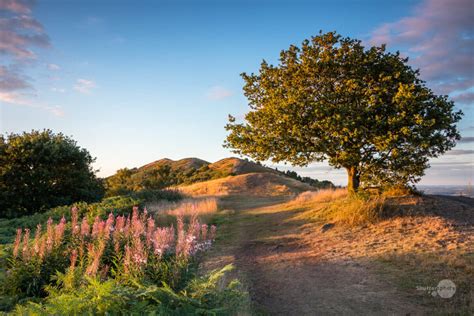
(40, 170)
(202, 296)
(121, 251)
(117, 205)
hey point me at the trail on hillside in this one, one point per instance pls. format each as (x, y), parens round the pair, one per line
(287, 276)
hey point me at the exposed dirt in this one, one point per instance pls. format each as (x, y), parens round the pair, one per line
(292, 267)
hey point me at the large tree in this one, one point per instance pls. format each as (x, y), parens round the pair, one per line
(40, 169)
(365, 110)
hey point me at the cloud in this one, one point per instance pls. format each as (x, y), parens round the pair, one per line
(16, 6)
(464, 98)
(460, 152)
(439, 37)
(18, 99)
(54, 89)
(216, 93)
(451, 163)
(53, 67)
(468, 139)
(20, 32)
(12, 80)
(84, 86)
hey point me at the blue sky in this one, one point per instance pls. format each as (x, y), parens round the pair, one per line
(136, 81)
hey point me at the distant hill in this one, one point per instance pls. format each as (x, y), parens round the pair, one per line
(168, 173)
(248, 184)
(182, 164)
(238, 166)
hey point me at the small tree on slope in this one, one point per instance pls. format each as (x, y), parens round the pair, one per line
(364, 110)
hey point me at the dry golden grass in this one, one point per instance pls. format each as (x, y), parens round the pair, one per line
(251, 184)
(336, 206)
(166, 212)
(325, 195)
(414, 241)
(398, 191)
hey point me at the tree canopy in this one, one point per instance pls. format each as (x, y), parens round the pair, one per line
(365, 110)
(40, 170)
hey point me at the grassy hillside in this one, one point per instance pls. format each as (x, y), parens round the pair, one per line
(182, 164)
(250, 184)
(166, 173)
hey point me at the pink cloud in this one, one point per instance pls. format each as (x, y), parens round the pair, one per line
(439, 38)
(218, 93)
(21, 100)
(20, 33)
(16, 6)
(12, 80)
(53, 67)
(465, 98)
(84, 86)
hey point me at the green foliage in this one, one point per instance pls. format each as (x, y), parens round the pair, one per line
(40, 170)
(202, 296)
(364, 110)
(126, 181)
(324, 184)
(123, 265)
(116, 205)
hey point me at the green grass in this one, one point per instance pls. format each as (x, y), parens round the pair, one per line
(116, 205)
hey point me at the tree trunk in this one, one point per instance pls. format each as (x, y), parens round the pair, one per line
(353, 180)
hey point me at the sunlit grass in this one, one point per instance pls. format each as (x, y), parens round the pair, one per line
(204, 208)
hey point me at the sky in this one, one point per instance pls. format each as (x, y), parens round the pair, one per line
(136, 81)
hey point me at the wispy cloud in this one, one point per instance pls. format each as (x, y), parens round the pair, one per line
(60, 90)
(16, 6)
(439, 36)
(218, 93)
(19, 99)
(460, 152)
(12, 80)
(84, 86)
(53, 67)
(464, 98)
(20, 33)
(468, 139)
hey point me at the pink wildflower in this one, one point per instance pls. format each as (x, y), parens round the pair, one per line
(49, 235)
(16, 244)
(85, 228)
(109, 226)
(42, 248)
(162, 240)
(213, 232)
(95, 254)
(203, 231)
(37, 240)
(95, 226)
(74, 221)
(181, 239)
(73, 259)
(59, 231)
(127, 259)
(150, 229)
(26, 239)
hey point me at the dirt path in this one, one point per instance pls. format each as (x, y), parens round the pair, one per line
(287, 276)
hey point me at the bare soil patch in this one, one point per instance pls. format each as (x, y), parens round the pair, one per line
(293, 267)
